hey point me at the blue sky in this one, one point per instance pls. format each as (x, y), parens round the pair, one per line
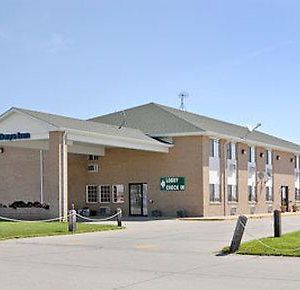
(239, 60)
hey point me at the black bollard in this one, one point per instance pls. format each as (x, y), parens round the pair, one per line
(238, 233)
(277, 223)
(119, 217)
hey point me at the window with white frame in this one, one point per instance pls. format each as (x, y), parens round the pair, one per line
(252, 197)
(93, 168)
(214, 145)
(232, 193)
(269, 193)
(269, 157)
(214, 193)
(93, 157)
(105, 193)
(91, 193)
(251, 154)
(118, 193)
(231, 151)
(297, 194)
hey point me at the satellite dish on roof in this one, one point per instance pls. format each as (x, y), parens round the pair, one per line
(253, 128)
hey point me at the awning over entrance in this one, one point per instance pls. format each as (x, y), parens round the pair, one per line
(30, 129)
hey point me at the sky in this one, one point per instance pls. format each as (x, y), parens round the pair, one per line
(238, 60)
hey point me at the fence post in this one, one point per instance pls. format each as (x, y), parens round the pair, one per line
(238, 233)
(277, 223)
(119, 217)
(72, 220)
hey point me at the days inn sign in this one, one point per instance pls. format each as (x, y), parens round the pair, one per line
(172, 183)
(16, 136)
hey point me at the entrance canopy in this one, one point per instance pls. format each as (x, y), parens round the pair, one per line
(30, 129)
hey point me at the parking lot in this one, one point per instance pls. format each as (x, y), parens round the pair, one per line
(161, 254)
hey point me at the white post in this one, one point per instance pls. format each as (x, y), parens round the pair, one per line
(41, 176)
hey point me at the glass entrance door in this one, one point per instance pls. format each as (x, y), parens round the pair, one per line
(138, 199)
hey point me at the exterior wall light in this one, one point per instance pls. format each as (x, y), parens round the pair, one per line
(243, 151)
(1, 150)
(277, 157)
(262, 155)
(292, 160)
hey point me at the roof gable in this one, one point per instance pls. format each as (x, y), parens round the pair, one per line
(151, 119)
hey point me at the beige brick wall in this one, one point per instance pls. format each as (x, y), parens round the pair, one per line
(20, 176)
(123, 166)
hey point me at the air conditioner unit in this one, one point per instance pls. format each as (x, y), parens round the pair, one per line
(104, 211)
(233, 211)
(93, 168)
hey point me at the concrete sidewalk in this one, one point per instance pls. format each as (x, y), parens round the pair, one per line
(170, 254)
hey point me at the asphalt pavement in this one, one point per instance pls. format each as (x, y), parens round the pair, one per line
(161, 254)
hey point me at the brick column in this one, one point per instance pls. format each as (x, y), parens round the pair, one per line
(56, 175)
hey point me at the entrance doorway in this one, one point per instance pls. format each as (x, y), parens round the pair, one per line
(138, 202)
(285, 197)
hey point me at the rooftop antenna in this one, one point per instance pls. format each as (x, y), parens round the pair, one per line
(182, 97)
(124, 120)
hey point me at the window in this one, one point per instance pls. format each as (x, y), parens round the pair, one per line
(231, 151)
(214, 193)
(93, 157)
(93, 168)
(297, 162)
(214, 148)
(252, 193)
(118, 193)
(91, 192)
(105, 193)
(232, 193)
(269, 193)
(269, 157)
(251, 154)
(297, 194)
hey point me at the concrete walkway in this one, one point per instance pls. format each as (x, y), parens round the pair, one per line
(168, 254)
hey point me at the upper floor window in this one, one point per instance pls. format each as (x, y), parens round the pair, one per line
(269, 157)
(251, 154)
(214, 145)
(231, 151)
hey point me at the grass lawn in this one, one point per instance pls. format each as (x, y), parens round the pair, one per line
(286, 245)
(14, 230)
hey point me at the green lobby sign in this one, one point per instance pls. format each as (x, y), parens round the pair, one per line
(172, 183)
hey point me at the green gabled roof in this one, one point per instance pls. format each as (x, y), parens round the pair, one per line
(159, 120)
(63, 122)
(152, 119)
